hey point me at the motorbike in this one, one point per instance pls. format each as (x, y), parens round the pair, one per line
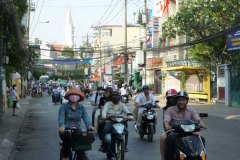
(81, 142)
(148, 124)
(49, 90)
(188, 146)
(34, 92)
(117, 136)
(56, 97)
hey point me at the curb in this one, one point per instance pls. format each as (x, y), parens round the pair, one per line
(8, 141)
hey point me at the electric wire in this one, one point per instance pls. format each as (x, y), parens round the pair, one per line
(38, 18)
(104, 13)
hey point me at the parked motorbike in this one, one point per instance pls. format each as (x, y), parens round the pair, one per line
(56, 97)
(148, 124)
(117, 137)
(188, 146)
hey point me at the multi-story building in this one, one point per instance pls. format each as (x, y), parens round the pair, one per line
(111, 43)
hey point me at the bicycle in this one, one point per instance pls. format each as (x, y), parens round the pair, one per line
(81, 141)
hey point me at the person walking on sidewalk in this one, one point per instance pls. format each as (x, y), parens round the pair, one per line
(14, 98)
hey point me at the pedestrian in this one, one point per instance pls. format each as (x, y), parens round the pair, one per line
(14, 98)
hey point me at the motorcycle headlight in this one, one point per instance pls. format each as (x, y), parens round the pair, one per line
(188, 128)
(119, 120)
(150, 116)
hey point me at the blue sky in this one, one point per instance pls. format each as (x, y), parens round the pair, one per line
(85, 13)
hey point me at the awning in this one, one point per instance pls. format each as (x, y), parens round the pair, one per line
(188, 69)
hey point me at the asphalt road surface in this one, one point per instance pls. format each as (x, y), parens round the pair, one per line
(38, 138)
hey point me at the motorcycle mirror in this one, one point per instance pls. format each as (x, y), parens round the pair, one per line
(203, 115)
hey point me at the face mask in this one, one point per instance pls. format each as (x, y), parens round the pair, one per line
(74, 98)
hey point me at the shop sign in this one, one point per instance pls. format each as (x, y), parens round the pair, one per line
(154, 63)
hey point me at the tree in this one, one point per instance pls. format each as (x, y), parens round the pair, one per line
(200, 18)
(68, 52)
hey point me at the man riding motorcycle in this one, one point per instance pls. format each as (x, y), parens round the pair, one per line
(70, 116)
(114, 107)
(172, 115)
(142, 99)
(135, 111)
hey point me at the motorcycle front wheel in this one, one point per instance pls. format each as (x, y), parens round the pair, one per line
(80, 156)
(150, 133)
(120, 150)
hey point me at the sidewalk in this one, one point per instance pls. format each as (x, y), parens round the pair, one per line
(10, 127)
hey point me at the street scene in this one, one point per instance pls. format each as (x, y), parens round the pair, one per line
(38, 136)
(119, 79)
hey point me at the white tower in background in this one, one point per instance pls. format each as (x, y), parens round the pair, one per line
(69, 30)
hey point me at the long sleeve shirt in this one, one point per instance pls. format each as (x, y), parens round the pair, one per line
(69, 118)
(110, 109)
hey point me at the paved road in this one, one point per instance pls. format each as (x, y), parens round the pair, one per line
(38, 138)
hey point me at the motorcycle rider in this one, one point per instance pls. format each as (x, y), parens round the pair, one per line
(103, 100)
(114, 107)
(70, 116)
(63, 93)
(142, 99)
(95, 99)
(181, 111)
(135, 111)
(124, 91)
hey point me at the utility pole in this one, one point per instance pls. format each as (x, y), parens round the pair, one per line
(125, 49)
(100, 50)
(145, 43)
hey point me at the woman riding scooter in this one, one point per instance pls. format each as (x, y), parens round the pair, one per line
(70, 116)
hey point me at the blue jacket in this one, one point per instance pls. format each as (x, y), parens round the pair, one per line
(68, 118)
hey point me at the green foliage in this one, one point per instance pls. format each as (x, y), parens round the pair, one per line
(201, 18)
(76, 75)
(37, 73)
(68, 52)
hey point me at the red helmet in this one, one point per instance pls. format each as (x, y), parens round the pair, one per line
(171, 93)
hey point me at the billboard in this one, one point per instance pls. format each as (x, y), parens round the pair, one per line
(233, 41)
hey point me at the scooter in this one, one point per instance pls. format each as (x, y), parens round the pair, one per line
(117, 136)
(34, 92)
(188, 146)
(56, 97)
(81, 142)
(148, 124)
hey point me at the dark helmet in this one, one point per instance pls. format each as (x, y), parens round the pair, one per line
(115, 93)
(99, 88)
(145, 87)
(182, 94)
(108, 89)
